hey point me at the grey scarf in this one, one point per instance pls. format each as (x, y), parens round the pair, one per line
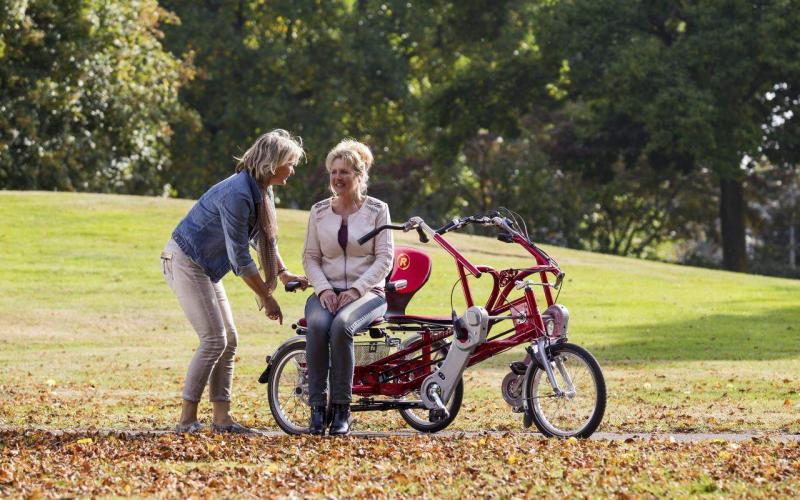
(267, 242)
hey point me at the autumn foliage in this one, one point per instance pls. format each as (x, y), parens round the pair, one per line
(36, 464)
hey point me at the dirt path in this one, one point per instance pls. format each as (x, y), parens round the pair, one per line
(607, 436)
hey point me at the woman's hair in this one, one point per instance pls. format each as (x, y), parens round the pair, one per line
(269, 152)
(357, 156)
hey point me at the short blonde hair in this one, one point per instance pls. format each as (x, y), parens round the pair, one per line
(357, 156)
(271, 150)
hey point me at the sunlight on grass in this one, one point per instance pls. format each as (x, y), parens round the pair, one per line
(92, 336)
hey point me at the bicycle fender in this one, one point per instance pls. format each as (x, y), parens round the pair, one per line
(264, 377)
(527, 415)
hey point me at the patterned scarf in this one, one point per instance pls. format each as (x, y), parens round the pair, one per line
(267, 242)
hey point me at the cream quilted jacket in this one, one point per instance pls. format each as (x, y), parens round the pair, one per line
(362, 267)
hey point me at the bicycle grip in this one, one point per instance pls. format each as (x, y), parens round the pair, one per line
(292, 286)
(368, 236)
(422, 236)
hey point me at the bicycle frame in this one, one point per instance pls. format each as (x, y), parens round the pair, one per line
(398, 374)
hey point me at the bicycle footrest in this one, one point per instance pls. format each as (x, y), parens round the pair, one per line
(437, 415)
(518, 367)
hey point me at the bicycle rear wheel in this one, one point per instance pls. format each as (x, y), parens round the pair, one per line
(419, 419)
(578, 411)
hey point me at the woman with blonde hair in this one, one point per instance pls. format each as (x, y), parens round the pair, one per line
(211, 240)
(347, 279)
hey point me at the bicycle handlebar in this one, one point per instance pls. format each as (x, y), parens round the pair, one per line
(377, 230)
(492, 219)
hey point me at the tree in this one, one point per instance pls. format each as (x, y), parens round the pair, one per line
(682, 85)
(323, 70)
(87, 96)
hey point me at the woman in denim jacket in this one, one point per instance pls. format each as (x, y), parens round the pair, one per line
(347, 278)
(215, 238)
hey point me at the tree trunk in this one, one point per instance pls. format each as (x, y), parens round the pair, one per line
(731, 216)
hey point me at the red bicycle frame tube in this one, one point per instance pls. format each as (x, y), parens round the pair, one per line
(403, 371)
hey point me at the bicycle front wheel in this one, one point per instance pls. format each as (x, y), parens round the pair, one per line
(579, 409)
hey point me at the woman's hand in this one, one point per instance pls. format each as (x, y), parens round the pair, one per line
(329, 301)
(347, 297)
(286, 277)
(272, 309)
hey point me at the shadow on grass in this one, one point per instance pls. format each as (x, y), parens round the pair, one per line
(769, 336)
(773, 335)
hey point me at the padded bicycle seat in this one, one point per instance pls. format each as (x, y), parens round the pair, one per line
(411, 270)
(412, 266)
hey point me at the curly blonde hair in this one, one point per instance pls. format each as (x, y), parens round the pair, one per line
(357, 156)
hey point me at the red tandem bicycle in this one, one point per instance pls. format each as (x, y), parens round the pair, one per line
(558, 386)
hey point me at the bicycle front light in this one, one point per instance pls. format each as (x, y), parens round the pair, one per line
(556, 321)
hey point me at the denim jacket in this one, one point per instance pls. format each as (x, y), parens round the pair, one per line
(217, 230)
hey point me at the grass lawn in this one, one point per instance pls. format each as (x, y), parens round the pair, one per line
(91, 337)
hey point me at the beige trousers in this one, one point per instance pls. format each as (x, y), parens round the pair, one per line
(208, 310)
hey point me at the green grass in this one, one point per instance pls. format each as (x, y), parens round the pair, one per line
(90, 335)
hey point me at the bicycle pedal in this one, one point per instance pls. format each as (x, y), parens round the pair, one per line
(518, 367)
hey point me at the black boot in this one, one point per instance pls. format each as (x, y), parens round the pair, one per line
(341, 420)
(316, 425)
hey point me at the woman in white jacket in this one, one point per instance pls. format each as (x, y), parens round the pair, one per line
(347, 279)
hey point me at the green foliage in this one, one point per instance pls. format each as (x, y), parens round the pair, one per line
(630, 95)
(87, 96)
(680, 86)
(599, 121)
(323, 70)
(687, 80)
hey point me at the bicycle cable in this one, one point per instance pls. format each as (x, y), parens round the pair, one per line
(452, 290)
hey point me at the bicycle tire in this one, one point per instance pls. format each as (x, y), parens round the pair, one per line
(432, 427)
(277, 364)
(537, 376)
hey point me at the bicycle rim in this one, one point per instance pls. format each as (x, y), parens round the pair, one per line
(289, 392)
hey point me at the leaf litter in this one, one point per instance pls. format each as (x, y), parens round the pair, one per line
(37, 464)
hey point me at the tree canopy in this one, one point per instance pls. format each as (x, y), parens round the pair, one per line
(88, 96)
(609, 125)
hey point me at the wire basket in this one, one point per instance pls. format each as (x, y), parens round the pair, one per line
(370, 352)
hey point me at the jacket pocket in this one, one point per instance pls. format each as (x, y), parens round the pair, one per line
(166, 265)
